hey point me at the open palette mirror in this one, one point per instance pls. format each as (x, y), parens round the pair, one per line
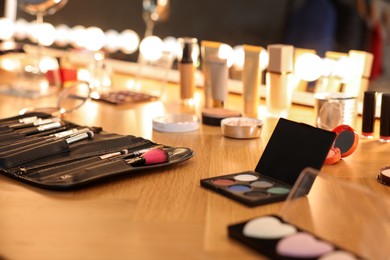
(292, 147)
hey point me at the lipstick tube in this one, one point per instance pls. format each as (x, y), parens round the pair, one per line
(279, 80)
(384, 132)
(368, 114)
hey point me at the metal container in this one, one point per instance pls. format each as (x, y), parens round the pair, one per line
(334, 109)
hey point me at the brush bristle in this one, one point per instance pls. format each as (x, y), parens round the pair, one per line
(155, 156)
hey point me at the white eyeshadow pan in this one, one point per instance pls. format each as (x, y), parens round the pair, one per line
(245, 177)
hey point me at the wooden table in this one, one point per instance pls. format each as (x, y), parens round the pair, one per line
(164, 214)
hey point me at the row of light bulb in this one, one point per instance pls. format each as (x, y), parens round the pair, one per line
(308, 66)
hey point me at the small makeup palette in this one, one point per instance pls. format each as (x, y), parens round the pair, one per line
(292, 147)
(277, 239)
(124, 97)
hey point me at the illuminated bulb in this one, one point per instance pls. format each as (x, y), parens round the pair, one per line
(6, 28)
(45, 34)
(21, 29)
(344, 69)
(308, 67)
(151, 48)
(77, 36)
(9, 64)
(226, 52)
(327, 67)
(94, 38)
(48, 63)
(172, 46)
(129, 41)
(62, 36)
(195, 53)
(238, 57)
(112, 43)
(33, 31)
(264, 59)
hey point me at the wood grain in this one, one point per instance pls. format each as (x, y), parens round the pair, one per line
(165, 214)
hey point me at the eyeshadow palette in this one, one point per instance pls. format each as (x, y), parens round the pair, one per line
(277, 239)
(249, 188)
(292, 148)
(124, 97)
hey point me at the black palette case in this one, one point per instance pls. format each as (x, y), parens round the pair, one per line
(50, 156)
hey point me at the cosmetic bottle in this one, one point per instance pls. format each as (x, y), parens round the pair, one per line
(186, 65)
(384, 132)
(219, 74)
(251, 79)
(279, 80)
(209, 50)
(362, 62)
(368, 114)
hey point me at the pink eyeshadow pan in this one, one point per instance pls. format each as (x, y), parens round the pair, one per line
(224, 182)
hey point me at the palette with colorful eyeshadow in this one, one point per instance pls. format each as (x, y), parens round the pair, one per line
(277, 239)
(292, 148)
(249, 188)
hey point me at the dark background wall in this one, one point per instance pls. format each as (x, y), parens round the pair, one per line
(302, 23)
(230, 21)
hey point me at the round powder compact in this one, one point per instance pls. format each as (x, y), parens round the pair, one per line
(241, 127)
(384, 176)
(333, 156)
(214, 116)
(176, 123)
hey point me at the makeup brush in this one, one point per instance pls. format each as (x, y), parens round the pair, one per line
(154, 156)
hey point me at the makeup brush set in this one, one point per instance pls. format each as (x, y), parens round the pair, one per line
(49, 152)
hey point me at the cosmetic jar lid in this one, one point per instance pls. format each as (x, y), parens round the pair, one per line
(346, 140)
(384, 176)
(176, 123)
(214, 116)
(241, 127)
(280, 58)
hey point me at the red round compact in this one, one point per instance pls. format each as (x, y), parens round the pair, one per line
(344, 145)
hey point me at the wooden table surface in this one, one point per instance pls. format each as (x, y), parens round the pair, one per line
(166, 214)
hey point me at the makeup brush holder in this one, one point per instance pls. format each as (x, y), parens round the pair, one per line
(51, 153)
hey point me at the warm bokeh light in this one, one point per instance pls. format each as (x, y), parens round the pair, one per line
(226, 52)
(327, 67)
(94, 38)
(76, 36)
(62, 35)
(172, 46)
(264, 59)
(308, 67)
(21, 29)
(238, 57)
(344, 69)
(112, 43)
(128, 41)
(151, 48)
(45, 34)
(6, 28)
